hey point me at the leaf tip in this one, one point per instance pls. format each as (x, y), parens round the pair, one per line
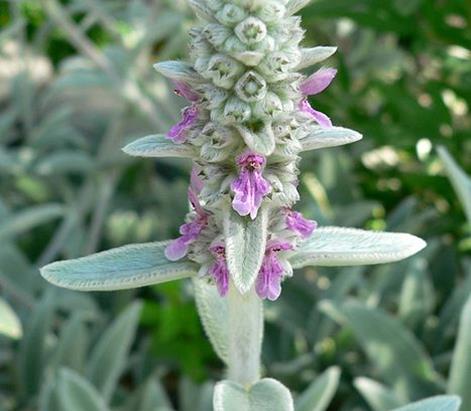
(414, 245)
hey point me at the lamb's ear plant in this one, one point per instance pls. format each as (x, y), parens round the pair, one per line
(247, 123)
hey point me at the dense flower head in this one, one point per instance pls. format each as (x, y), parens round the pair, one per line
(247, 121)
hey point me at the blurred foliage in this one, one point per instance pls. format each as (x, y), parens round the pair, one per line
(76, 84)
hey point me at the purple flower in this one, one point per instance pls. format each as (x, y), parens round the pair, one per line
(178, 132)
(196, 183)
(184, 90)
(219, 270)
(178, 248)
(249, 187)
(315, 84)
(322, 119)
(268, 285)
(296, 222)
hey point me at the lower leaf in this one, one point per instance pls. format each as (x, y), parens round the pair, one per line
(265, 395)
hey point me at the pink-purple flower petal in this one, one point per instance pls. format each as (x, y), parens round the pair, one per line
(318, 82)
(219, 270)
(178, 133)
(297, 223)
(177, 249)
(190, 231)
(268, 284)
(196, 183)
(322, 119)
(250, 186)
(184, 90)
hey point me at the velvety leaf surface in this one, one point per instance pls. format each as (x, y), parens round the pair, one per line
(319, 394)
(460, 372)
(314, 55)
(329, 137)
(336, 246)
(108, 358)
(125, 267)
(265, 395)
(9, 322)
(391, 347)
(378, 397)
(76, 394)
(245, 246)
(213, 312)
(439, 403)
(158, 145)
(460, 181)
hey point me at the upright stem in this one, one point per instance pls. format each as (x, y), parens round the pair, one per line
(245, 336)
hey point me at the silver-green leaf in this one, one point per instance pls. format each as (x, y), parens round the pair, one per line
(158, 145)
(177, 70)
(77, 394)
(391, 347)
(131, 266)
(319, 394)
(245, 246)
(265, 395)
(460, 373)
(322, 137)
(212, 309)
(378, 397)
(314, 55)
(460, 181)
(294, 6)
(438, 403)
(26, 219)
(336, 246)
(9, 323)
(108, 357)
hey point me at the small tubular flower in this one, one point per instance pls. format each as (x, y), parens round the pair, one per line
(249, 187)
(184, 90)
(268, 285)
(218, 270)
(190, 231)
(298, 224)
(315, 84)
(178, 133)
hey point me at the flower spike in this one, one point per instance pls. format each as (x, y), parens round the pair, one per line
(247, 122)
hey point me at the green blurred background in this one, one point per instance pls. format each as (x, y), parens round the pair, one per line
(77, 84)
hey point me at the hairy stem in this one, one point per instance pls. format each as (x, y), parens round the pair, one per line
(245, 336)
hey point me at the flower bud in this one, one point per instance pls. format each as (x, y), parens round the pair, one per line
(270, 107)
(271, 11)
(251, 87)
(231, 15)
(223, 70)
(199, 46)
(216, 34)
(236, 111)
(215, 5)
(252, 30)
